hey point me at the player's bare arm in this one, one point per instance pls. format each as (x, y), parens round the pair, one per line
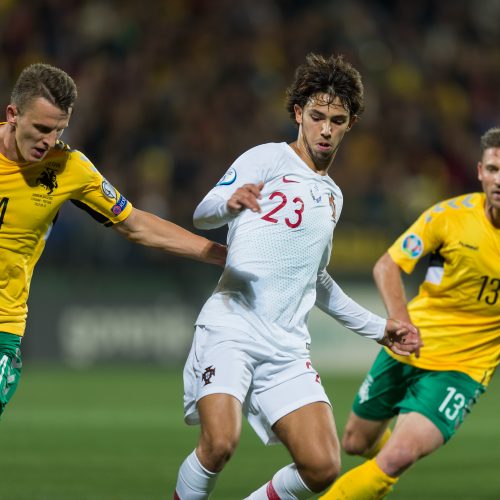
(149, 230)
(246, 196)
(387, 276)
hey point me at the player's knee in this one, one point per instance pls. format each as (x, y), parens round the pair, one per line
(216, 451)
(355, 443)
(321, 474)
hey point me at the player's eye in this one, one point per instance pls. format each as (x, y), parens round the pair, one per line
(43, 129)
(339, 121)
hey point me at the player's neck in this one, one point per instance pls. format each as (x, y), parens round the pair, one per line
(492, 214)
(302, 152)
(8, 142)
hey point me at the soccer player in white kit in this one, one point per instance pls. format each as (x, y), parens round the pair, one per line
(250, 353)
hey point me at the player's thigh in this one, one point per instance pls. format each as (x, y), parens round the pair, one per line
(417, 432)
(445, 398)
(279, 387)
(310, 435)
(216, 365)
(383, 387)
(220, 418)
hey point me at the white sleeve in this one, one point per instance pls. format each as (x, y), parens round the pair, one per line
(212, 212)
(251, 167)
(331, 299)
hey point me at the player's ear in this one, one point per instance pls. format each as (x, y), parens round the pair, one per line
(298, 113)
(352, 121)
(12, 113)
(479, 170)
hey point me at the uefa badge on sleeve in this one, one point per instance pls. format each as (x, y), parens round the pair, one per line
(412, 246)
(117, 209)
(228, 178)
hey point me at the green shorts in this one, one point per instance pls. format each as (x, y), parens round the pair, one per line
(392, 387)
(10, 367)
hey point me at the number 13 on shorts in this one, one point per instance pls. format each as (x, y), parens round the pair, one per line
(452, 403)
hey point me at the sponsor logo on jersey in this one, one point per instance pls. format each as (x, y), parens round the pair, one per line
(412, 246)
(315, 193)
(119, 206)
(48, 180)
(208, 374)
(288, 180)
(228, 178)
(108, 189)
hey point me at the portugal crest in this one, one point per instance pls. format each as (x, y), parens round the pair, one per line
(208, 374)
(331, 199)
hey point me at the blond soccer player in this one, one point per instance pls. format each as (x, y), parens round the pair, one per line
(38, 173)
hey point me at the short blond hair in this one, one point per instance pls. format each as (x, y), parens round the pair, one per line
(44, 80)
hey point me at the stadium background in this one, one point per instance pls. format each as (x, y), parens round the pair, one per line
(170, 92)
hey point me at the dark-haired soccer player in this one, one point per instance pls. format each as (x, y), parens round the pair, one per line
(38, 173)
(458, 313)
(250, 353)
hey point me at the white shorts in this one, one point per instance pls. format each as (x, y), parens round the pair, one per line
(268, 384)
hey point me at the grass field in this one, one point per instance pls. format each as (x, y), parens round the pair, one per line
(117, 434)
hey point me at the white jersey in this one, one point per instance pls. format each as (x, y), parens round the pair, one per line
(278, 257)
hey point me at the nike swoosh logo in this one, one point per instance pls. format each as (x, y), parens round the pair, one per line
(289, 180)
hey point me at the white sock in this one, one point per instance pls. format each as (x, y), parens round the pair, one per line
(285, 485)
(194, 482)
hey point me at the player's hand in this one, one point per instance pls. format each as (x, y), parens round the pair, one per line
(402, 338)
(216, 254)
(245, 196)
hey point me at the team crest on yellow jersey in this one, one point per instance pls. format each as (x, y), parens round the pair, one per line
(48, 179)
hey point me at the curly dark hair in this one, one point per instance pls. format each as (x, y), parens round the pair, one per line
(332, 76)
(44, 80)
(490, 139)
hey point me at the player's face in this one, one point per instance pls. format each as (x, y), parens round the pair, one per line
(488, 171)
(37, 128)
(322, 125)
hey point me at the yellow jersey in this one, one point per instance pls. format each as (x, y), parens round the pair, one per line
(457, 308)
(31, 195)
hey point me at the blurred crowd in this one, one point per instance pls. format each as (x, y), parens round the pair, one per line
(172, 91)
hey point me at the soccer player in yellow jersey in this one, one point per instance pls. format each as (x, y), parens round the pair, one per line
(38, 173)
(457, 311)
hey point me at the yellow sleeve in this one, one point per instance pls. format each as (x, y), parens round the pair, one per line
(421, 238)
(97, 196)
